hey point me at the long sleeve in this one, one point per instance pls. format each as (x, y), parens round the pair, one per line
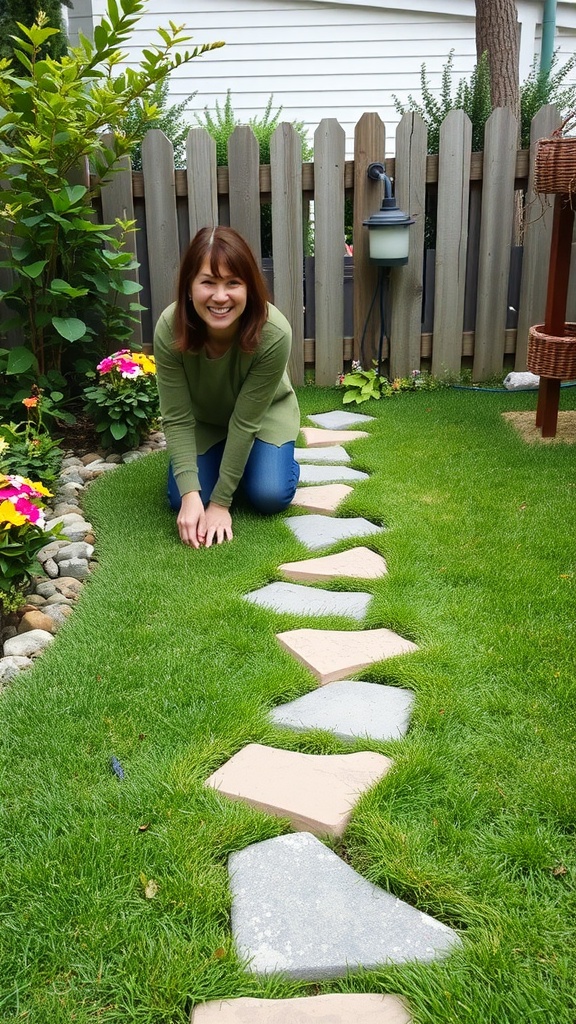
(178, 420)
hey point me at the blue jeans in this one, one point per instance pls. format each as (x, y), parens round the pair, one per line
(269, 481)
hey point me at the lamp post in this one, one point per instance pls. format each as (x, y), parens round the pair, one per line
(388, 240)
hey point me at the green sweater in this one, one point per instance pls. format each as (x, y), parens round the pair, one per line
(238, 397)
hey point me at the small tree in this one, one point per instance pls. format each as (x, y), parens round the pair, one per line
(542, 87)
(26, 12)
(67, 270)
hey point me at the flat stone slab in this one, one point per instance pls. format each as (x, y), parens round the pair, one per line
(316, 792)
(315, 437)
(323, 499)
(357, 563)
(330, 474)
(332, 654)
(292, 599)
(317, 531)
(335, 1008)
(299, 910)
(339, 419)
(334, 453)
(350, 709)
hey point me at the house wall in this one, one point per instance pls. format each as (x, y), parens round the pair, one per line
(324, 59)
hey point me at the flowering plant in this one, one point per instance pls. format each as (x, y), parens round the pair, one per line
(22, 533)
(124, 402)
(27, 448)
(364, 384)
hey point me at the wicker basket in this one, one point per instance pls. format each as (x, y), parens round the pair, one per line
(555, 165)
(550, 356)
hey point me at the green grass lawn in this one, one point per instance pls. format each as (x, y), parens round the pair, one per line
(165, 667)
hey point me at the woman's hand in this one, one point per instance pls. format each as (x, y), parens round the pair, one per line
(191, 520)
(218, 524)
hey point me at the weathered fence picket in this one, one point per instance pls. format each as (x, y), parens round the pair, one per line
(202, 180)
(498, 212)
(287, 238)
(161, 219)
(244, 186)
(329, 157)
(118, 203)
(451, 241)
(369, 147)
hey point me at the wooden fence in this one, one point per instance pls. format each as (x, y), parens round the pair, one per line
(470, 302)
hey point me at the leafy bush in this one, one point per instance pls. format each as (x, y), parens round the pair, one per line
(361, 385)
(542, 87)
(68, 271)
(472, 97)
(27, 448)
(124, 403)
(168, 118)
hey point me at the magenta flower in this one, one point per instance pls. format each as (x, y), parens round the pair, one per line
(26, 508)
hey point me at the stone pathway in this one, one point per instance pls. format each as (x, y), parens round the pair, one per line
(297, 908)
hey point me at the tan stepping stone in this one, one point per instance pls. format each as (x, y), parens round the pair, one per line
(316, 437)
(316, 792)
(324, 498)
(357, 563)
(332, 654)
(335, 1008)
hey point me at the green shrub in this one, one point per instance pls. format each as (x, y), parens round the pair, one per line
(124, 403)
(169, 119)
(542, 87)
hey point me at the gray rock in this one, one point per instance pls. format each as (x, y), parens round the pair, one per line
(334, 455)
(36, 600)
(77, 568)
(11, 666)
(26, 644)
(132, 456)
(300, 910)
(64, 508)
(71, 476)
(350, 709)
(56, 599)
(49, 550)
(330, 475)
(302, 600)
(317, 531)
(57, 612)
(65, 518)
(50, 568)
(339, 419)
(45, 588)
(77, 531)
(77, 549)
(70, 461)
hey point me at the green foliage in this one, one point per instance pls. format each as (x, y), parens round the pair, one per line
(22, 534)
(473, 97)
(542, 87)
(68, 271)
(139, 120)
(362, 385)
(13, 12)
(122, 407)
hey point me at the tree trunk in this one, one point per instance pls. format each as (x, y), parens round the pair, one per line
(497, 32)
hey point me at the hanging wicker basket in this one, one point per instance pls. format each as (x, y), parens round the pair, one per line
(555, 165)
(550, 356)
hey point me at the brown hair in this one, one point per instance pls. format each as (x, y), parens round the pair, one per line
(224, 247)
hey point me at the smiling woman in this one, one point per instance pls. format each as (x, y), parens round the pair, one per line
(228, 409)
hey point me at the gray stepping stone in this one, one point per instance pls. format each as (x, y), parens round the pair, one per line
(350, 709)
(317, 531)
(299, 910)
(293, 599)
(330, 474)
(339, 419)
(322, 455)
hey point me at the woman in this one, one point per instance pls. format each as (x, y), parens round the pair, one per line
(229, 412)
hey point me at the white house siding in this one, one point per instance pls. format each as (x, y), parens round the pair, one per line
(324, 59)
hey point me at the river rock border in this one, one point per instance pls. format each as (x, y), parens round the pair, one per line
(65, 563)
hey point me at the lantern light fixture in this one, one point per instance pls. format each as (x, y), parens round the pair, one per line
(388, 235)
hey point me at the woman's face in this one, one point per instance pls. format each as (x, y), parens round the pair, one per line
(218, 300)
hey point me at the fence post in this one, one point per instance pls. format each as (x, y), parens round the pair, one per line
(202, 181)
(244, 186)
(161, 219)
(329, 158)
(451, 241)
(117, 201)
(407, 282)
(287, 242)
(537, 235)
(496, 225)
(369, 147)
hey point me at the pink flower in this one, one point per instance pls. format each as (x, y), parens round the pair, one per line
(106, 365)
(33, 514)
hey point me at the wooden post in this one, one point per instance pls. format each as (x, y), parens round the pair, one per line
(557, 298)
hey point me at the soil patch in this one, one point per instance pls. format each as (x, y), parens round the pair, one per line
(525, 424)
(80, 437)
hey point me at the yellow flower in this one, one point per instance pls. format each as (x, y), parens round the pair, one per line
(4, 446)
(148, 363)
(38, 487)
(10, 516)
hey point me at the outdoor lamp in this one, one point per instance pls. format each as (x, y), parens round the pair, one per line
(388, 229)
